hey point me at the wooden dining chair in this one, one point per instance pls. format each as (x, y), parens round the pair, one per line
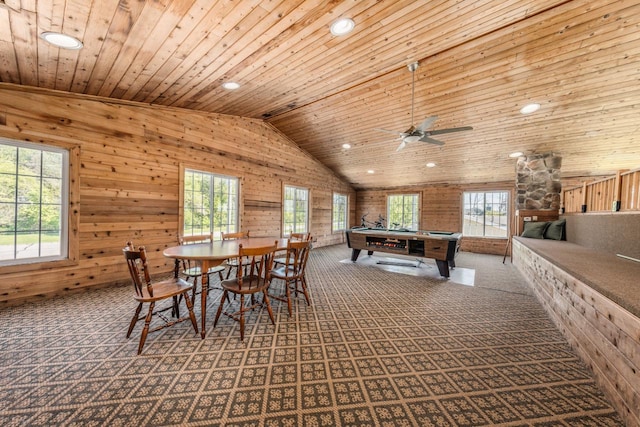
(235, 262)
(254, 281)
(280, 260)
(148, 292)
(191, 269)
(292, 272)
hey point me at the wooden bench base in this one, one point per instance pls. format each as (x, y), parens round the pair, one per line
(604, 334)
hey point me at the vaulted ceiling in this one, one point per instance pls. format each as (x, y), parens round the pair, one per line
(479, 61)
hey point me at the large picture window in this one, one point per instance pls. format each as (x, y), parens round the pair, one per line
(403, 211)
(485, 214)
(210, 203)
(295, 210)
(34, 200)
(339, 213)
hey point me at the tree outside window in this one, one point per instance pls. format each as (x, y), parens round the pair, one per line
(34, 192)
(486, 214)
(295, 210)
(210, 203)
(403, 211)
(339, 214)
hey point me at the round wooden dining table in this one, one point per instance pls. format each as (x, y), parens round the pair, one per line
(213, 254)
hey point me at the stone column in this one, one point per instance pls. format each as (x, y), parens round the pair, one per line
(538, 183)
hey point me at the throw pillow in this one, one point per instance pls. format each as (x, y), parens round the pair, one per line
(535, 230)
(555, 230)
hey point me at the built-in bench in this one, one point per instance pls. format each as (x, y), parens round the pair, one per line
(594, 299)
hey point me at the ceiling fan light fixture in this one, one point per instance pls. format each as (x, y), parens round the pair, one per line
(431, 165)
(342, 26)
(411, 138)
(370, 171)
(516, 154)
(60, 40)
(346, 146)
(231, 85)
(530, 108)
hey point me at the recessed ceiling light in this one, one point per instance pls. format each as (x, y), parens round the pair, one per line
(230, 85)
(516, 154)
(61, 40)
(431, 165)
(342, 26)
(530, 108)
(370, 171)
(346, 146)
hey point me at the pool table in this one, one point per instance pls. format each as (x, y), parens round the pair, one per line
(439, 245)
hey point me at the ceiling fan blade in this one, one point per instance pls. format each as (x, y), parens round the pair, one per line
(426, 124)
(388, 131)
(401, 146)
(441, 131)
(431, 140)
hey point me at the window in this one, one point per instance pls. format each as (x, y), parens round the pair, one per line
(34, 200)
(295, 210)
(403, 211)
(485, 214)
(339, 215)
(210, 203)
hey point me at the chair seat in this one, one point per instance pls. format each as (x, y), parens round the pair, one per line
(282, 260)
(196, 272)
(283, 273)
(164, 289)
(234, 262)
(231, 285)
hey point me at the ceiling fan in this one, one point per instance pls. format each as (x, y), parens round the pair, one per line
(420, 132)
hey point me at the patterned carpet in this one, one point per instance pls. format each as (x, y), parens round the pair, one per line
(375, 348)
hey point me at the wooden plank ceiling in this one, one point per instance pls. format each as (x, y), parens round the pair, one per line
(480, 61)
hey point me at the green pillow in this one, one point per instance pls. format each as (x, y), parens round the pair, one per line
(535, 230)
(555, 230)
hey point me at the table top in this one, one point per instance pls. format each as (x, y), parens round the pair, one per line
(441, 235)
(221, 249)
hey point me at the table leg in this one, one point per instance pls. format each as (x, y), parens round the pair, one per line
(443, 267)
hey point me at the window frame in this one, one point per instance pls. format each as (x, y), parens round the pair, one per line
(507, 215)
(418, 204)
(333, 212)
(285, 229)
(181, 204)
(72, 204)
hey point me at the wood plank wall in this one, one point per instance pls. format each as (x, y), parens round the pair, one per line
(600, 195)
(130, 156)
(441, 210)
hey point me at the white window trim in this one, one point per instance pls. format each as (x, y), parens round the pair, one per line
(181, 204)
(71, 205)
(285, 231)
(418, 204)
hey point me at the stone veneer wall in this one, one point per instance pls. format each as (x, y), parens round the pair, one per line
(538, 183)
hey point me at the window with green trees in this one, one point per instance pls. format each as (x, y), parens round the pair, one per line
(295, 210)
(210, 203)
(34, 194)
(403, 211)
(485, 213)
(339, 216)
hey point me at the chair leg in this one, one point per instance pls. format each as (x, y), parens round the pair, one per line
(145, 330)
(303, 285)
(287, 286)
(222, 299)
(192, 315)
(265, 298)
(193, 293)
(176, 305)
(241, 317)
(134, 320)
